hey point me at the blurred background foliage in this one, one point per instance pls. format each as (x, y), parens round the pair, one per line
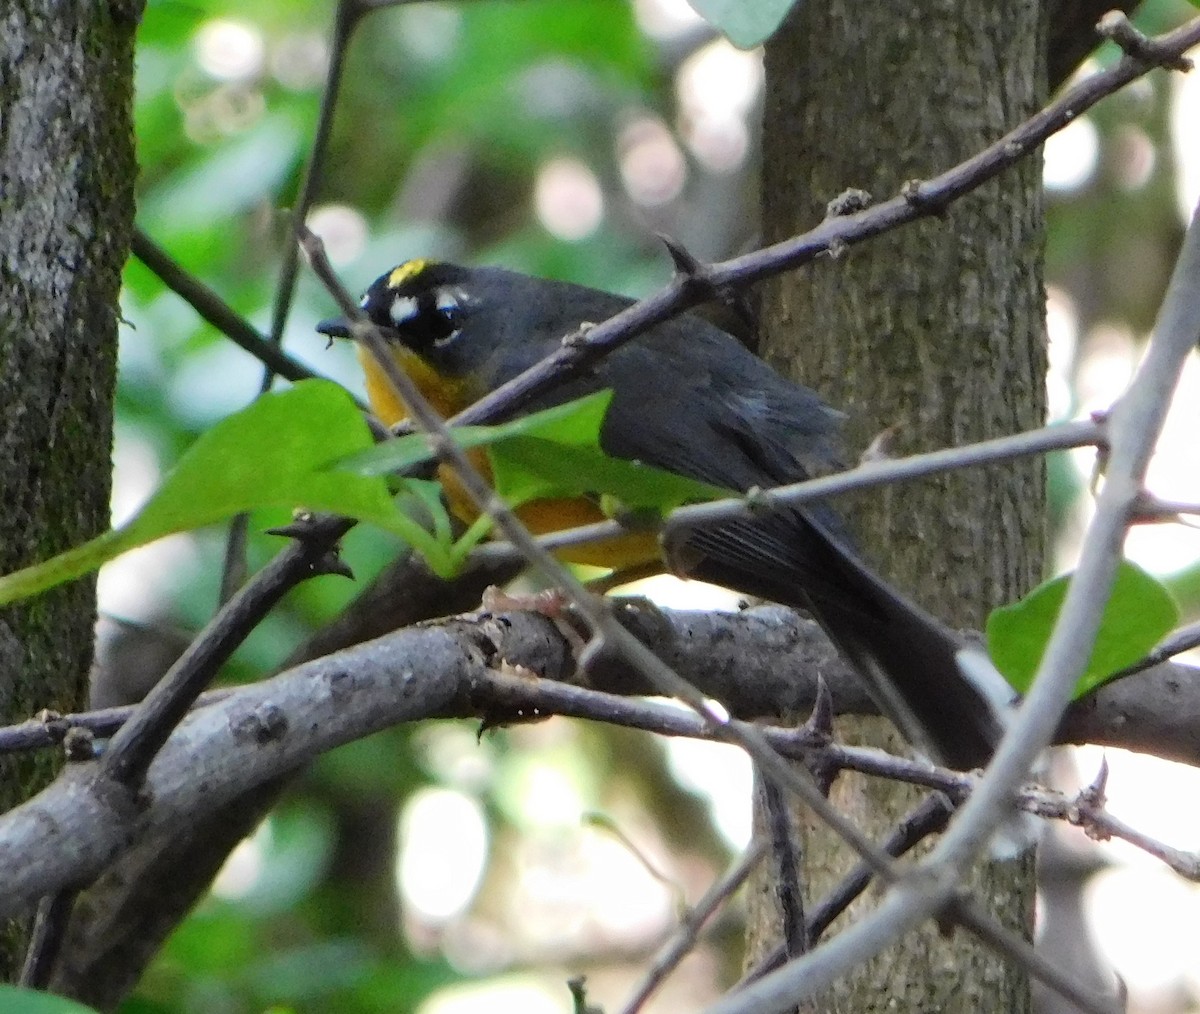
(421, 867)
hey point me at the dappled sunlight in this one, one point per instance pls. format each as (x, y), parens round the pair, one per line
(1071, 156)
(1185, 139)
(568, 199)
(718, 88)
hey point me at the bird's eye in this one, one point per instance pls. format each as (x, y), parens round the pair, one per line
(432, 318)
(449, 305)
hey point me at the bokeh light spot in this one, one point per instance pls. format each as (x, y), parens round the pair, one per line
(666, 19)
(342, 229)
(568, 199)
(717, 87)
(444, 842)
(653, 168)
(1185, 139)
(1071, 156)
(230, 50)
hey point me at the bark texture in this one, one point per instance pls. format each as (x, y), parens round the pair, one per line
(66, 210)
(935, 330)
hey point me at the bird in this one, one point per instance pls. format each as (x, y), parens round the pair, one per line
(690, 398)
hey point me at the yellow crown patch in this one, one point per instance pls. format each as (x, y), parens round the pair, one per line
(407, 271)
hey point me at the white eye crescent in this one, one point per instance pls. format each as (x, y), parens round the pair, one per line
(404, 308)
(449, 302)
(450, 299)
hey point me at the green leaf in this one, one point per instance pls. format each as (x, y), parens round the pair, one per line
(533, 468)
(275, 453)
(14, 1000)
(746, 23)
(552, 453)
(1139, 613)
(574, 423)
(559, 455)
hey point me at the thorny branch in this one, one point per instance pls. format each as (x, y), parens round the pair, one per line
(920, 199)
(466, 667)
(135, 751)
(1134, 426)
(606, 634)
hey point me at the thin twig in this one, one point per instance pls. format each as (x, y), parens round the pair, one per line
(607, 633)
(1090, 814)
(786, 865)
(213, 309)
(135, 745)
(1062, 436)
(260, 731)
(46, 939)
(687, 935)
(346, 19)
(929, 817)
(348, 13)
(496, 694)
(49, 728)
(1134, 426)
(1084, 433)
(919, 200)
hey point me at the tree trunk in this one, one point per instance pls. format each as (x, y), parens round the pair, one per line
(66, 208)
(935, 329)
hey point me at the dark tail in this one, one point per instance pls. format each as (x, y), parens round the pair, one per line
(942, 693)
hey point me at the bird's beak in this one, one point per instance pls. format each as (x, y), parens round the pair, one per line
(335, 327)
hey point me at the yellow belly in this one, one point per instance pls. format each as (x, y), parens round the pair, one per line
(540, 516)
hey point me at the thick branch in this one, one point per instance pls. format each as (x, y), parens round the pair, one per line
(458, 668)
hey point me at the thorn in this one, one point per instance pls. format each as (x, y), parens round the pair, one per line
(1149, 509)
(820, 722)
(820, 727)
(332, 563)
(695, 276)
(882, 446)
(684, 261)
(1094, 794)
(300, 527)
